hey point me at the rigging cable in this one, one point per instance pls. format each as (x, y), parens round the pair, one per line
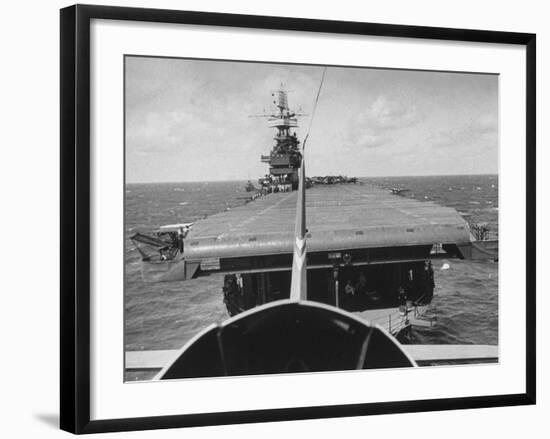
(314, 108)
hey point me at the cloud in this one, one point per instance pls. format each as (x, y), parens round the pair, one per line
(387, 113)
(375, 126)
(482, 129)
(371, 139)
(180, 113)
(159, 132)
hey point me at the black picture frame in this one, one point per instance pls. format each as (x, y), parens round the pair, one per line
(75, 216)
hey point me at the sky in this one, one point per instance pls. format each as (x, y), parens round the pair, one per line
(189, 120)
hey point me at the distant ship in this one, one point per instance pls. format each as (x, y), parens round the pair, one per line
(369, 251)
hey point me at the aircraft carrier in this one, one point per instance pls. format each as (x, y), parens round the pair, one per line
(369, 249)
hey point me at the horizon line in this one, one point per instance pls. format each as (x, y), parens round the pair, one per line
(251, 179)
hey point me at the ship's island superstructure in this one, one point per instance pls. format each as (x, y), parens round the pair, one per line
(285, 157)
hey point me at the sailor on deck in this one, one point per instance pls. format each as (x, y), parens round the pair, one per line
(349, 290)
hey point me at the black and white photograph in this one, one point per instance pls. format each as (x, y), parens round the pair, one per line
(270, 220)
(294, 218)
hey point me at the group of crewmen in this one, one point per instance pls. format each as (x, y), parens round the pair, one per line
(169, 252)
(360, 289)
(418, 287)
(279, 183)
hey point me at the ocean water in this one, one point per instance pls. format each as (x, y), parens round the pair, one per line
(166, 315)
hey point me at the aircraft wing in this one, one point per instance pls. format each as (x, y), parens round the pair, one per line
(150, 240)
(423, 354)
(452, 354)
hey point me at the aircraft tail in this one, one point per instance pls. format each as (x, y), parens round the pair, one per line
(298, 285)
